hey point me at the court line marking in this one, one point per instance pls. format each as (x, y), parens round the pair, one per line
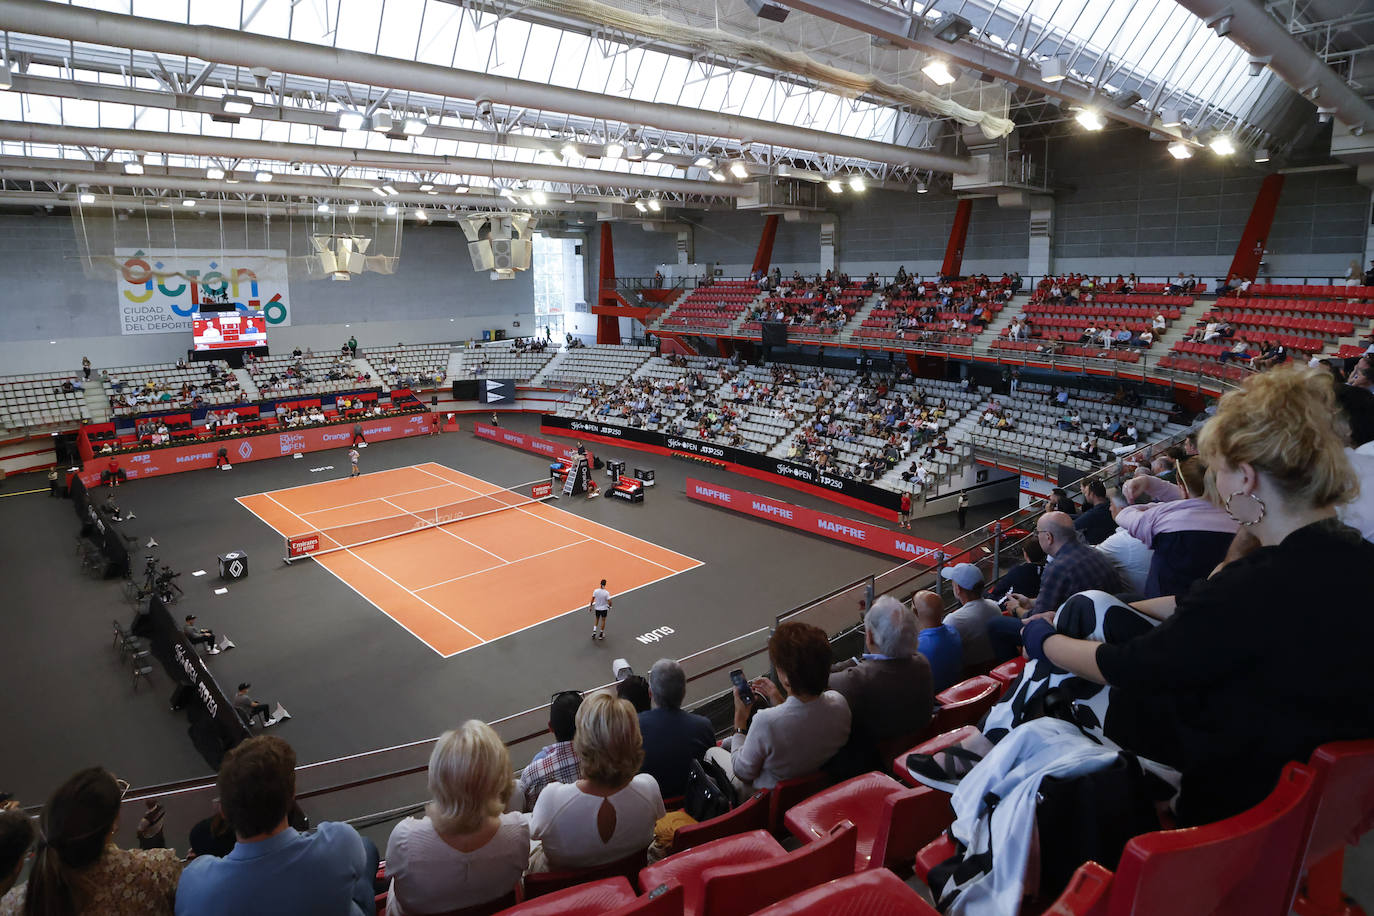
(450, 533)
(306, 486)
(39, 490)
(504, 565)
(359, 503)
(695, 561)
(395, 583)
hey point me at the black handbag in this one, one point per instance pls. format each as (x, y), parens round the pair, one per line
(709, 791)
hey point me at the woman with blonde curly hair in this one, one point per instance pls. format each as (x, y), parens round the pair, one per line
(1266, 659)
(464, 851)
(611, 810)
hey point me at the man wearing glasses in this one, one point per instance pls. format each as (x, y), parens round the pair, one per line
(555, 762)
(1077, 567)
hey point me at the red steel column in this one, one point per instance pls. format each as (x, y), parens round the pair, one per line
(607, 326)
(764, 257)
(958, 234)
(1250, 251)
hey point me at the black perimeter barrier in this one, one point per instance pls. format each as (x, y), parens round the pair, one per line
(214, 725)
(852, 488)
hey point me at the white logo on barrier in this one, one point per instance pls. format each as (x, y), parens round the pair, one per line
(245, 450)
(235, 569)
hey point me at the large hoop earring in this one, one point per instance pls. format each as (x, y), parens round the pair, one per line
(1246, 522)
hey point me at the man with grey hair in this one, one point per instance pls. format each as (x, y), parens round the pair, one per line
(889, 689)
(1076, 568)
(672, 738)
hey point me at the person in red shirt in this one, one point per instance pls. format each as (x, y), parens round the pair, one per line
(112, 473)
(904, 520)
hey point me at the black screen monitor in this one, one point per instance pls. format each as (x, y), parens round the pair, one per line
(774, 333)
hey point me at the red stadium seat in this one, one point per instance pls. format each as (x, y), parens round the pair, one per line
(930, 746)
(893, 821)
(1007, 672)
(1343, 774)
(538, 883)
(752, 814)
(737, 890)
(595, 898)
(871, 893)
(965, 703)
(790, 791)
(1086, 894)
(689, 868)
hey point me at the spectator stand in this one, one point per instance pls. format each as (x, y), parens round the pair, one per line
(603, 364)
(710, 309)
(277, 376)
(135, 389)
(815, 309)
(38, 400)
(422, 367)
(502, 359)
(949, 313)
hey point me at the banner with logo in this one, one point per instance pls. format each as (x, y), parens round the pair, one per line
(158, 291)
(526, 442)
(852, 489)
(836, 528)
(155, 462)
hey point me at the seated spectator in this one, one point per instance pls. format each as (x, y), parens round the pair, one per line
(1188, 534)
(1128, 556)
(1076, 568)
(16, 837)
(795, 736)
(610, 811)
(635, 688)
(78, 869)
(1024, 577)
(1230, 705)
(889, 690)
(938, 641)
(1058, 501)
(1095, 524)
(971, 619)
(212, 836)
(673, 738)
(464, 851)
(274, 869)
(555, 762)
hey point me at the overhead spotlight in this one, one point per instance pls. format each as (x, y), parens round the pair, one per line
(262, 175)
(236, 104)
(539, 197)
(1126, 98)
(1180, 150)
(653, 155)
(508, 193)
(1090, 119)
(378, 190)
(858, 184)
(460, 189)
(940, 73)
(133, 167)
(922, 188)
(381, 122)
(1261, 155)
(1052, 71)
(352, 208)
(634, 152)
(1223, 145)
(569, 150)
(614, 150)
(188, 202)
(350, 120)
(717, 174)
(704, 162)
(389, 189)
(390, 209)
(766, 9)
(654, 205)
(413, 127)
(422, 215)
(426, 186)
(835, 186)
(641, 206)
(739, 169)
(1170, 117)
(214, 173)
(951, 28)
(87, 197)
(322, 208)
(1257, 65)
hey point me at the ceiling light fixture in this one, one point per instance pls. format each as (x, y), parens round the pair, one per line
(352, 208)
(1223, 145)
(390, 209)
(133, 167)
(641, 206)
(6, 80)
(350, 120)
(214, 173)
(739, 169)
(717, 174)
(569, 150)
(422, 216)
(426, 186)
(1090, 119)
(540, 197)
(654, 205)
(460, 189)
(1262, 155)
(835, 186)
(1052, 71)
(614, 150)
(634, 152)
(922, 188)
(87, 197)
(236, 104)
(381, 122)
(654, 155)
(940, 73)
(188, 202)
(784, 170)
(322, 208)
(1180, 150)
(704, 162)
(377, 189)
(389, 189)
(858, 184)
(262, 175)
(1170, 117)
(413, 127)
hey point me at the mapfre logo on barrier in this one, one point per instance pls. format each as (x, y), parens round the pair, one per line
(198, 456)
(712, 493)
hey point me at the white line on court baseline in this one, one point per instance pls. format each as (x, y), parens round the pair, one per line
(397, 584)
(306, 486)
(302, 515)
(505, 564)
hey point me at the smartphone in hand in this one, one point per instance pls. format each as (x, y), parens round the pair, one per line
(746, 692)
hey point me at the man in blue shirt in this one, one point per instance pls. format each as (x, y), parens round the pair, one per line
(274, 869)
(672, 738)
(939, 642)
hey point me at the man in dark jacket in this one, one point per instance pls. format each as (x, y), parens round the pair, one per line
(672, 738)
(1095, 524)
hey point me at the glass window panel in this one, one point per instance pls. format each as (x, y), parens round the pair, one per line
(358, 24)
(567, 66)
(202, 12)
(439, 33)
(272, 18)
(511, 36)
(400, 29)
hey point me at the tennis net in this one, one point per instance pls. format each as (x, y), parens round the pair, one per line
(357, 534)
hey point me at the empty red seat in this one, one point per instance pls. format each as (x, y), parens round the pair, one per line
(591, 899)
(1343, 776)
(877, 892)
(965, 703)
(892, 821)
(689, 868)
(752, 814)
(1007, 672)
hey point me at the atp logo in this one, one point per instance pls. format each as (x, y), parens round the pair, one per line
(245, 450)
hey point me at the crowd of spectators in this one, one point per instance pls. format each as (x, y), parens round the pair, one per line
(159, 394)
(826, 301)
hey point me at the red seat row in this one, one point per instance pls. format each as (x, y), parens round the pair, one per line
(1315, 325)
(1311, 292)
(1364, 310)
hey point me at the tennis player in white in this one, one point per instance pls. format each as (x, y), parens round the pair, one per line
(600, 606)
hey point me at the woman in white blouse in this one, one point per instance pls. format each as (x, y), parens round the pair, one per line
(610, 812)
(464, 851)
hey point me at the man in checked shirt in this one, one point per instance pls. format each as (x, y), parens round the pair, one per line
(555, 762)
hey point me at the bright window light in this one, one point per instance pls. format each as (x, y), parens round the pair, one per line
(214, 173)
(350, 120)
(1180, 150)
(262, 175)
(1090, 119)
(413, 127)
(236, 104)
(614, 150)
(835, 185)
(857, 183)
(939, 73)
(739, 170)
(1223, 145)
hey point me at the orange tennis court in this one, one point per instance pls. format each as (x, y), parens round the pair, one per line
(464, 583)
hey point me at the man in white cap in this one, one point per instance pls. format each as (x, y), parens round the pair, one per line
(971, 619)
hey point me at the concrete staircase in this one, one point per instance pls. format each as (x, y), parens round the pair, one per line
(97, 402)
(246, 382)
(1177, 329)
(1010, 310)
(847, 334)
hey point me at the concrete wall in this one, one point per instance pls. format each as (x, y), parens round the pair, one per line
(47, 295)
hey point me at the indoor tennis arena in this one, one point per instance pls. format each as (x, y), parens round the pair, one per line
(463, 457)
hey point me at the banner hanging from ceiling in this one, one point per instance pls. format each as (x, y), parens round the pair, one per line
(158, 291)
